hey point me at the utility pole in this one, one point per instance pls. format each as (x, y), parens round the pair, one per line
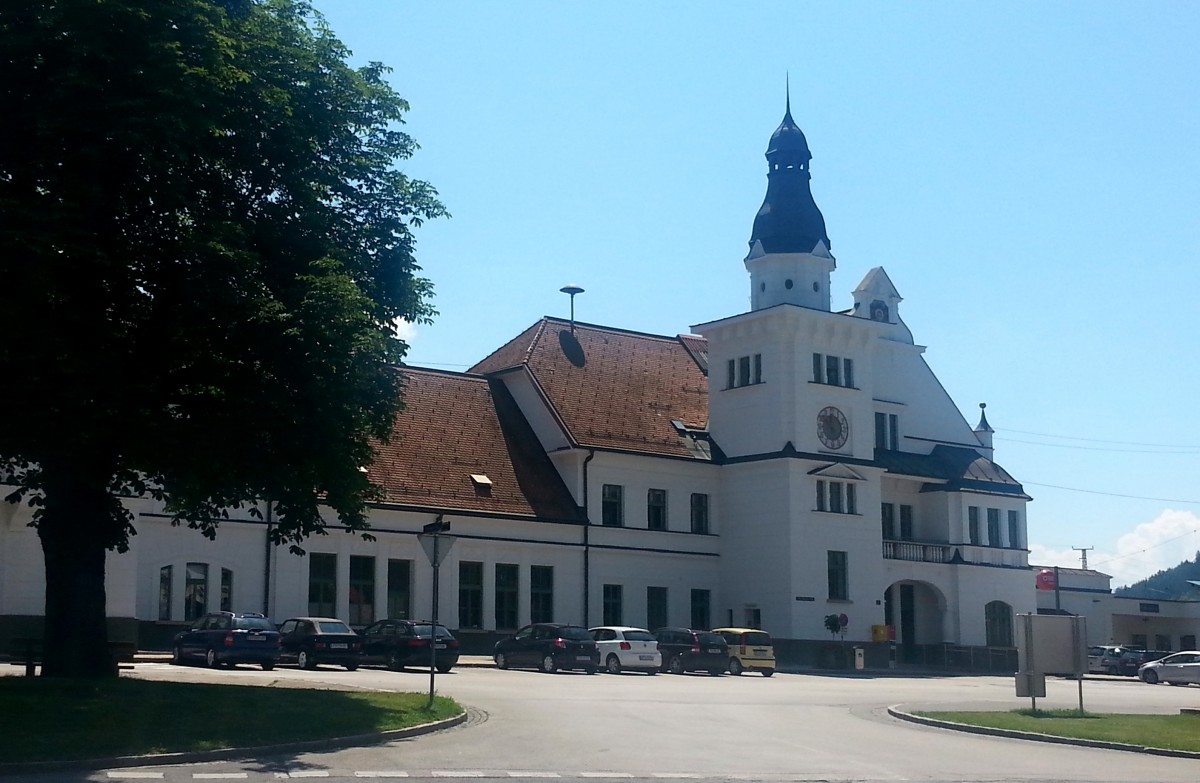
(1083, 550)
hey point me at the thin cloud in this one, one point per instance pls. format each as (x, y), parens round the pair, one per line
(1164, 542)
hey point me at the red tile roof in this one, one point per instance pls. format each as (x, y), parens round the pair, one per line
(613, 388)
(455, 425)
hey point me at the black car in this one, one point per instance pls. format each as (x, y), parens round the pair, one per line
(312, 641)
(688, 650)
(228, 638)
(1131, 660)
(400, 643)
(549, 647)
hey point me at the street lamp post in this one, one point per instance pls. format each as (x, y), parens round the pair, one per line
(437, 545)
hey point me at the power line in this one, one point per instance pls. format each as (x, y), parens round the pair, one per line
(1191, 532)
(1155, 450)
(1111, 494)
(1101, 440)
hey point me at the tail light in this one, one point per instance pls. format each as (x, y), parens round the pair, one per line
(416, 642)
(560, 644)
(357, 646)
(743, 649)
(229, 639)
(453, 644)
(319, 645)
(626, 646)
(695, 647)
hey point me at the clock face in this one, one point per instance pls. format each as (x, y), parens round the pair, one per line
(832, 427)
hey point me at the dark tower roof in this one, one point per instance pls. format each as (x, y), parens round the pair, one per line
(789, 220)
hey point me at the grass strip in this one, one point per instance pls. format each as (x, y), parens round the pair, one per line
(1171, 732)
(56, 720)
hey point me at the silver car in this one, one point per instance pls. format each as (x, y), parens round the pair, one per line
(624, 648)
(1178, 668)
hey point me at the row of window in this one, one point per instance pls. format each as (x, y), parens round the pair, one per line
(887, 513)
(612, 508)
(994, 536)
(887, 431)
(837, 497)
(656, 607)
(506, 595)
(743, 371)
(195, 591)
(833, 370)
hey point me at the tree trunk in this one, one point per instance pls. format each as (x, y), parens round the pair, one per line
(75, 529)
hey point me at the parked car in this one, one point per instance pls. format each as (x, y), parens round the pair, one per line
(1178, 668)
(1132, 660)
(623, 648)
(1110, 660)
(311, 641)
(1096, 657)
(687, 650)
(228, 638)
(549, 647)
(749, 649)
(400, 643)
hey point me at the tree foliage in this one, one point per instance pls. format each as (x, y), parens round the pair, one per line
(205, 246)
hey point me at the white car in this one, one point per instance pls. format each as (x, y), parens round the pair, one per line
(624, 648)
(1177, 669)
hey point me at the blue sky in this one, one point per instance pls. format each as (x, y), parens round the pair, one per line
(1027, 173)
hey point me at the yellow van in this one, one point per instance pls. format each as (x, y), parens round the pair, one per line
(750, 649)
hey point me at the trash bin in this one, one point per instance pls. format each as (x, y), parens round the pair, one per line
(860, 662)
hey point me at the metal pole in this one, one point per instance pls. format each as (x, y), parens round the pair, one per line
(433, 624)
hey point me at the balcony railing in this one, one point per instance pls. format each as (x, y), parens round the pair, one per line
(969, 554)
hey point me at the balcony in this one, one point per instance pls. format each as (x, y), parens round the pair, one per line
(967, 554)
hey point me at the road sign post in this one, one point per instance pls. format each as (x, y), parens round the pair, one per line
(436, 543)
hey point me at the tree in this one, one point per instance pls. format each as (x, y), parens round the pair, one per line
(205, 247)
(833, 624)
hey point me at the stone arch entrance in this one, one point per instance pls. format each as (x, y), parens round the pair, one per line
(917, 610)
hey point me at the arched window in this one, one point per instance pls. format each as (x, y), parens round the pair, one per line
(998, 618)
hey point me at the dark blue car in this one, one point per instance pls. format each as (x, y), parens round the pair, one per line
(227, 639)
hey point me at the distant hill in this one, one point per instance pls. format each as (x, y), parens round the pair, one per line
(1168, 584)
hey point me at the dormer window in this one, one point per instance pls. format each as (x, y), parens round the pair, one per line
(482, 484)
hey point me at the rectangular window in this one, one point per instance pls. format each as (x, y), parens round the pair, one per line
(612, 507)
(887, 513)
(1138, 640)
(699, 513)
(835, 497)
(701, 610)
(887, 431)
(818, 368)
(851, 499)
(820, 495)
(848, 372)
(541, 594)
(744, 371)
(508, 590)
(656, 509)
(993, 522)
(973, 524)
(758, 368)
(195, 591)
(906, 523)
(322, 585)
(613, 599)
(226, 590)
(1014, 529)
(164, 592)
(893, 431)
(839, 577)
(832, 367)
(399, 589)
(731, 380)
(362, 590)
(656, 607)
(881, 439)
(470, 594)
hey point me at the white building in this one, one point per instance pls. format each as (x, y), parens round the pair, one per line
(771, 469)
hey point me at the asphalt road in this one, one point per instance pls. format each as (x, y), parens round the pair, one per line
(792, 727)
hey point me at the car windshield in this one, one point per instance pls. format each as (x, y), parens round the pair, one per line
(574, 633)
(710, 638)
(758, 637)
(333, 626)
(639, 636)
(423, 630)
(254, 624)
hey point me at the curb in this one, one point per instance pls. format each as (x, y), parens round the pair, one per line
(900, 714)
(231, 754)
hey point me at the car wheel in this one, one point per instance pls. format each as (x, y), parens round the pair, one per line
(268, 665)
(735, 667)
(768, 672)
(612, 665)
(210, 659)
(351, 667)
(305, 661)
(176, 656)
(1150, 677)
(393, 661)
(501, 660)
(548, 664)
(444, 669)
(676, 665)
